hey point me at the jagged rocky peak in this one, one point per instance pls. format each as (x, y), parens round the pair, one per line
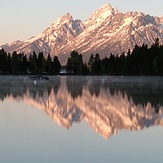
(107, 6)
(62, 29)
(68, 21)
(106, 10)
(102, 14)
(64, 19)
(67, 16)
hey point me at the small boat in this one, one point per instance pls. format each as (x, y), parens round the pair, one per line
(38, 77)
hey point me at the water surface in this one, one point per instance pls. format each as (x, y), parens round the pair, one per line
(81, 119)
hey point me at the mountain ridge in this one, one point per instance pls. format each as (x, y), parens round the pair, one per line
(106, 31)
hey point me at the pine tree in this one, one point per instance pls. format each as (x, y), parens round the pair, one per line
(41, 63)
(56, 65)
(75, 63)
(49, 66)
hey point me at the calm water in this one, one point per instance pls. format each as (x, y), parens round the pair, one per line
(81, 120)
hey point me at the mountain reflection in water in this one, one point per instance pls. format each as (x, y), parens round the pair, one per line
(107, 104)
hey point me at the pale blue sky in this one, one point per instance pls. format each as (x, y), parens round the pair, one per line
(21, 19)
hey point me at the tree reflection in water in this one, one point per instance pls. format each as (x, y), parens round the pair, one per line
(107, 104)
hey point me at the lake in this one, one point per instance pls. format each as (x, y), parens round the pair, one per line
(81, 119)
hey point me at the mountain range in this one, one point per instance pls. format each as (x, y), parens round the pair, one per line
(107, 31)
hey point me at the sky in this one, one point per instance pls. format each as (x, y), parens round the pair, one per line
(22, 19)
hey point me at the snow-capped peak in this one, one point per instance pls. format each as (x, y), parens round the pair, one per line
(64, 19)
(107, 10)
(107, 6)
(104, 11)
(101, 15)
(66, 16)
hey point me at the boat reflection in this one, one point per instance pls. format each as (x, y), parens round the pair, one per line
(107, 104)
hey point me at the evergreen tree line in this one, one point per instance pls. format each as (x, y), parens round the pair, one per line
(34, 64)
(141, 61)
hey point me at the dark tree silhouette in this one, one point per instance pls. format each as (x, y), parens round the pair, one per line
(142, 60)
(75, 63)
(56, 65)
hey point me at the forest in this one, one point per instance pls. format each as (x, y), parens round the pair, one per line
(142, 60)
